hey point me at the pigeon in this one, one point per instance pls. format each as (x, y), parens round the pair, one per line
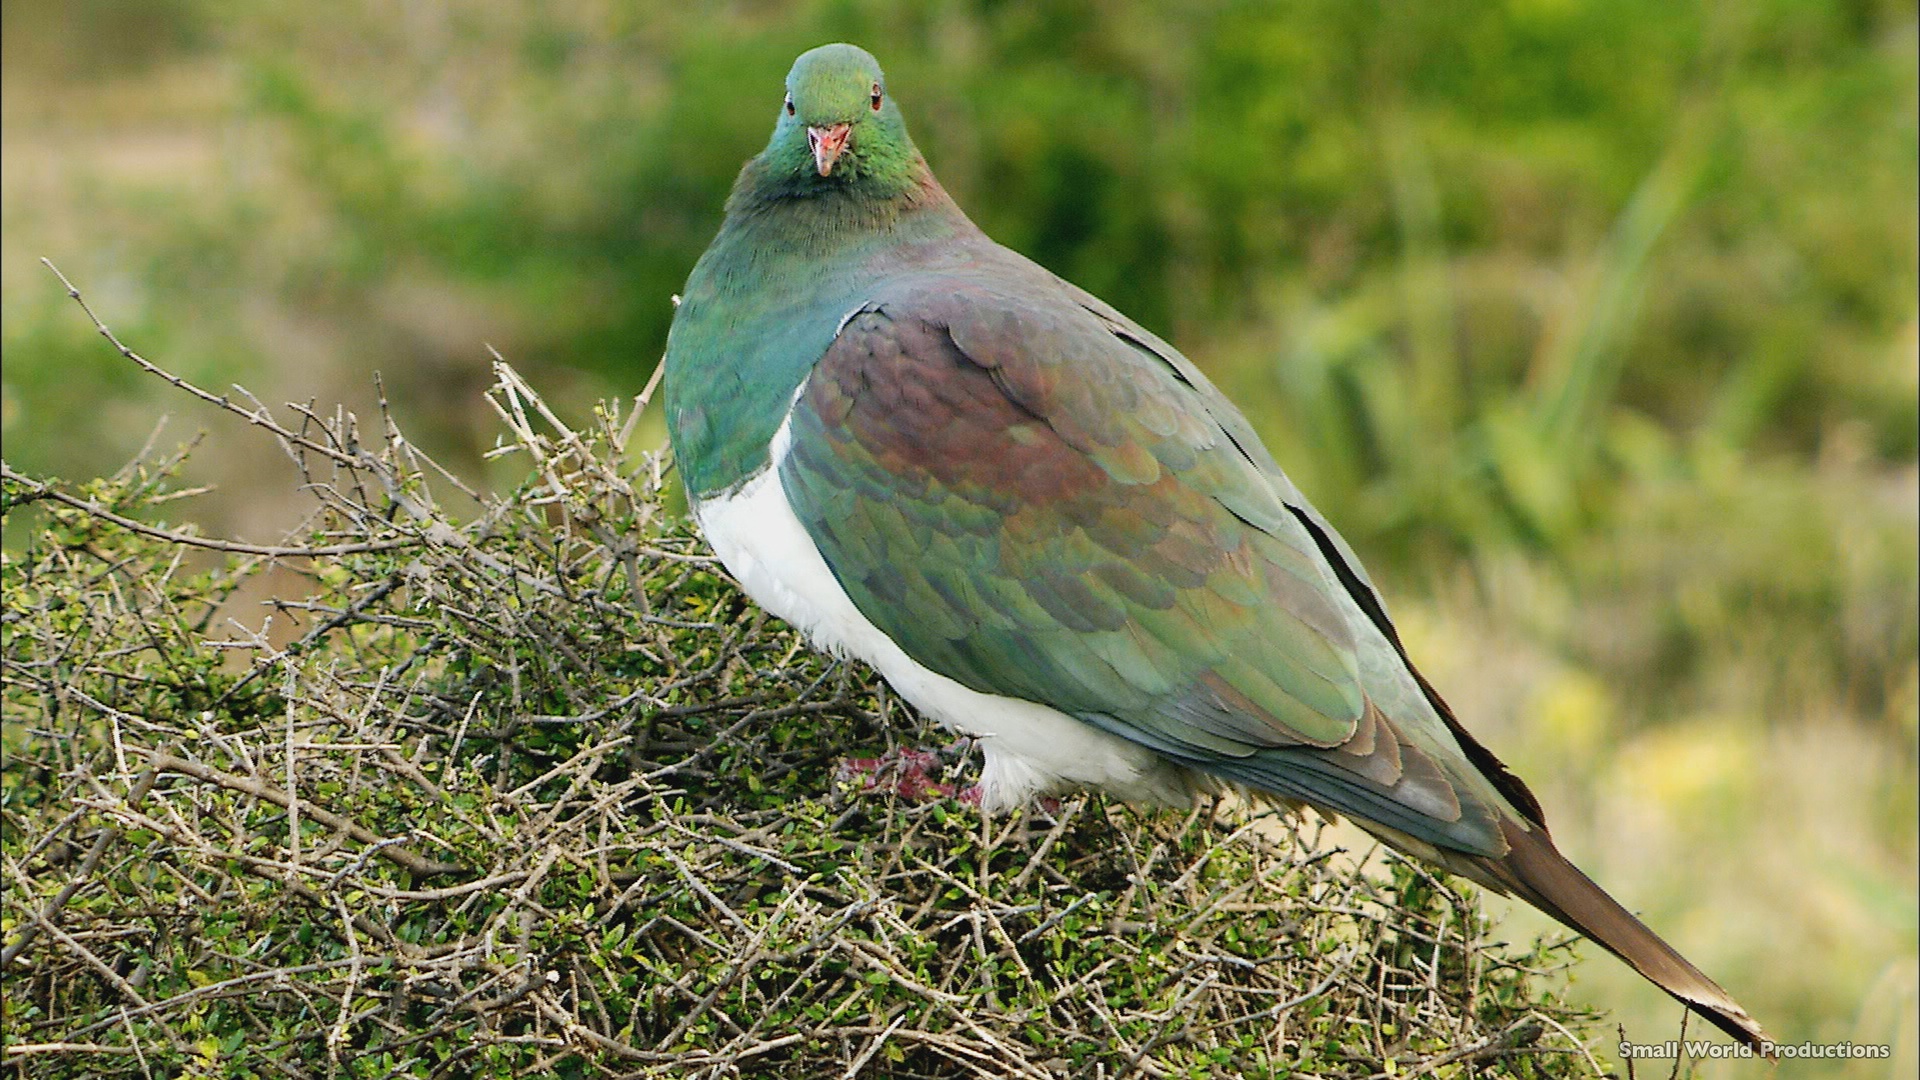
(1047, 530)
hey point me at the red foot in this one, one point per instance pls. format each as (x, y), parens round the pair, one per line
(906, 773)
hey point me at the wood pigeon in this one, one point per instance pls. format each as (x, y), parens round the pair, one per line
(1049, 531)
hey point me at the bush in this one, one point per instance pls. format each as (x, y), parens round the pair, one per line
(535, 791)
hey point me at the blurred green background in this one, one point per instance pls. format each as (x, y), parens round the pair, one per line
(1591, 324)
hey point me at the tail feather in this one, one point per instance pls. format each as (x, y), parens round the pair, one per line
(1535, 871)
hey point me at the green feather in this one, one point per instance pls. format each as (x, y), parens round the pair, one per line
(1027, 492)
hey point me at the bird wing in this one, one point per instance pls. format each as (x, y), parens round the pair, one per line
(1036, 499)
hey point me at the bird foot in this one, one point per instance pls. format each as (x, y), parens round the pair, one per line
(908, 773)
(916, 775)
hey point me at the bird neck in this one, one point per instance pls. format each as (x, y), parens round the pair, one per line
(787, 211)
(767, 298)
(788, 244)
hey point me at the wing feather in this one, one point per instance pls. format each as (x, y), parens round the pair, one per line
(1036, 500)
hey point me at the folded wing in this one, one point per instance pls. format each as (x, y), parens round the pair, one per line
(1036, 500)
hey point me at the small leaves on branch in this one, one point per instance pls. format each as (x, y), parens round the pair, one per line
(535, 791)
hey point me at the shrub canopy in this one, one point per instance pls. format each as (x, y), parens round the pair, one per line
(534, 791)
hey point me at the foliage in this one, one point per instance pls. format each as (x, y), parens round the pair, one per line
(1455, 258)
(1486, 276)
(1591, 324)
(538, 793)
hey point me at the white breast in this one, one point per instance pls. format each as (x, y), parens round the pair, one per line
(1030, 749)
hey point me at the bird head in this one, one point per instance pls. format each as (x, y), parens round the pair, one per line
(837, 123)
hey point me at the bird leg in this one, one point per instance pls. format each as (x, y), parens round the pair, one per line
(913, 774)
(909, 773)
(920, 776)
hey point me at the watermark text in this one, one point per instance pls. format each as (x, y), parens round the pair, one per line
(1705, 1050)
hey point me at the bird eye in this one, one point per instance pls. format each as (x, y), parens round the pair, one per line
(789, 104)
(876, 97)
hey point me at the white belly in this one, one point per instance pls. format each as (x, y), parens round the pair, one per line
(1030, 749)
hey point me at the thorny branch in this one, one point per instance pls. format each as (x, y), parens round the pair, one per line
(628, 776)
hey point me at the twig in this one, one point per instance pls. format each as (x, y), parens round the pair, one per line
(28, 1049)
(45, 491)
(259, 418)
(141, 785)
(400, 856)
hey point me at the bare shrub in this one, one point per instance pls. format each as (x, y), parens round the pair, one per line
(537, 792)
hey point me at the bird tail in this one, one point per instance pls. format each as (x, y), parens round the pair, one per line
(1535, 871)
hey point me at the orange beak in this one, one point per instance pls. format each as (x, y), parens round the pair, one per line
(828, 144)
